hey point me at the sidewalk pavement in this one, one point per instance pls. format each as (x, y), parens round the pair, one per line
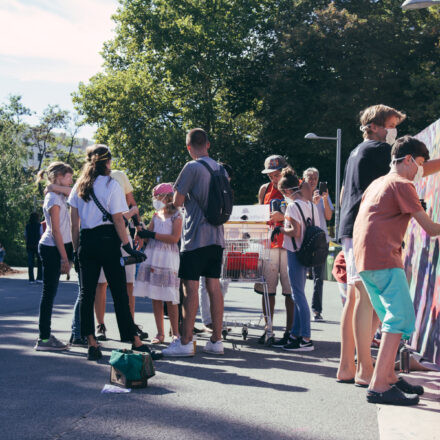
(252, 392)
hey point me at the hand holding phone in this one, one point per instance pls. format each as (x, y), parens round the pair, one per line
(322, 188)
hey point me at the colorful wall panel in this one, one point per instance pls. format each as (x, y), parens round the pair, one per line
(422, 263)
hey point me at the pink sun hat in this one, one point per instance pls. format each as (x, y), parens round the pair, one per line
(163, 188)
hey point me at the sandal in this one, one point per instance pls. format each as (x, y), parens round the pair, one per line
(158, 339)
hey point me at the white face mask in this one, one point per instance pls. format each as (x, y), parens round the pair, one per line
(419, 173)
(391, 135)
(158, 204)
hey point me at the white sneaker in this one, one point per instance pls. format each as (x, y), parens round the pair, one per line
(177, 349)
(214, 347)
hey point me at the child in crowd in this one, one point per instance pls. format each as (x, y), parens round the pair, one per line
(55, 249)
(387, 206)
(293, 230)
(157, 277)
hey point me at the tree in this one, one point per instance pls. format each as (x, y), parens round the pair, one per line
(174, 65)
(42, 135)
(16, 183)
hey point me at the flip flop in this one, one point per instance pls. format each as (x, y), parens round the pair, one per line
(158, 339)
(361, 385)
(345, 380)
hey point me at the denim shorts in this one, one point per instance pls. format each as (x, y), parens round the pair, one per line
(389, 294)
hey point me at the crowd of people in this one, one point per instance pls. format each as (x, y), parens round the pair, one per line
(87, 226)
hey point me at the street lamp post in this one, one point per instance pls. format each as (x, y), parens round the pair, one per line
(338, 173)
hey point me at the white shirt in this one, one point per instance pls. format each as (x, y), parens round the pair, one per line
(51, 199)
(111, 196)
(292, 211)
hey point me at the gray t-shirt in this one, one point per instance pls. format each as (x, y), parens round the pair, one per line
(51, 199)
(193, 183)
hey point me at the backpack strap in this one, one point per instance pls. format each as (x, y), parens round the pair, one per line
(209, 168)
(106, 214)
(313, 213)
(305, 224)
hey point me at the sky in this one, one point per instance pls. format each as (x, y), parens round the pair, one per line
(48, 46)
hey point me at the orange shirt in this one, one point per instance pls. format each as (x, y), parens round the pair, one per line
(271, 194)
(384, 214)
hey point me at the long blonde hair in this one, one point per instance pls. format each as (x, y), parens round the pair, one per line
(53, 171)
(97, 157)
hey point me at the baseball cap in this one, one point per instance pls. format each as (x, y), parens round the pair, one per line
(274, 163)
(163, 188)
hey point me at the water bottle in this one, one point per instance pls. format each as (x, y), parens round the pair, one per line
(275, 205)
(404, 359)
(129, 259)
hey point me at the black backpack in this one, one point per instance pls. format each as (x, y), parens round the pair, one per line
(314, 248)
(220, 198)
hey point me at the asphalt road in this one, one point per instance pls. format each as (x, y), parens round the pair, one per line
(251, 392)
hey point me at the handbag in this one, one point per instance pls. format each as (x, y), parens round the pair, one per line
(134, 366)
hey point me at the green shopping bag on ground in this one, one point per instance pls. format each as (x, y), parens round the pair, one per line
(134, 366)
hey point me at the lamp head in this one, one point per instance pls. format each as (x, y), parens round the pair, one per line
(419, 4)
(311, 136)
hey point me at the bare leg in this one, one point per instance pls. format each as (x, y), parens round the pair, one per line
(375, 322)
(347, 367)
(173, 314)
(131, 299)
(271, 305)
(190, 306)
(100, 299)
(158, 316)
(362, 320)
(290, 307)
(384, 374)
(217, 305)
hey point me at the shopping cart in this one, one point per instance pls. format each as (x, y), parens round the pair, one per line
(247, 248)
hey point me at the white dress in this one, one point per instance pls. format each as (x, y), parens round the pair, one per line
(157, 276)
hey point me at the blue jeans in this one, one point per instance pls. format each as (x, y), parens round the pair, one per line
(76, 320)
(297, 277)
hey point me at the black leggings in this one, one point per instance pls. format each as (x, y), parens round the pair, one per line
(51, 259)
(100, 248)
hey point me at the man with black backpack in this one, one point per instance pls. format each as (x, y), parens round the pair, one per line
(203, 189)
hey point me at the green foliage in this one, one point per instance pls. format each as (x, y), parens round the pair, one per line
(17, 190)
(257, 75)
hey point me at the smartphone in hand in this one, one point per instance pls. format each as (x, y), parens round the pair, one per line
(322, 188)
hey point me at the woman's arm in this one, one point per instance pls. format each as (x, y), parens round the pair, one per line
(54, 213)
(294, 230)
(328, 213)
(174, 237)
(119, 223)
(58, 189)
(74, 227)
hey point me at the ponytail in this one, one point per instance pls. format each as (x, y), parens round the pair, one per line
(97, 157)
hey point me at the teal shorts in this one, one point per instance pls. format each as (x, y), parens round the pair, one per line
(389, 294)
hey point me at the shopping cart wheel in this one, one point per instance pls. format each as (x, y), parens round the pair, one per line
(269, 341)
(244, 332)
(225, 333)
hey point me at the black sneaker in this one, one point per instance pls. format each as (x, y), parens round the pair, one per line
(101, 329)
(407, 388)
(94, 353)
(155, 355)
(292, 345)
(78, 342)
(318, 317)
(279, 343)
(142, 335)
(306, 345)
(393, 396)
(262, 339)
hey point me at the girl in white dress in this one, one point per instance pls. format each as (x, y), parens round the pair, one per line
(157, 277)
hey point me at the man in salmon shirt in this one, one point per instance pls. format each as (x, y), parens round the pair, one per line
(275, 269)
(387, 206)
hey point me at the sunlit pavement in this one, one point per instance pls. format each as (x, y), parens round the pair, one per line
(252, 392)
